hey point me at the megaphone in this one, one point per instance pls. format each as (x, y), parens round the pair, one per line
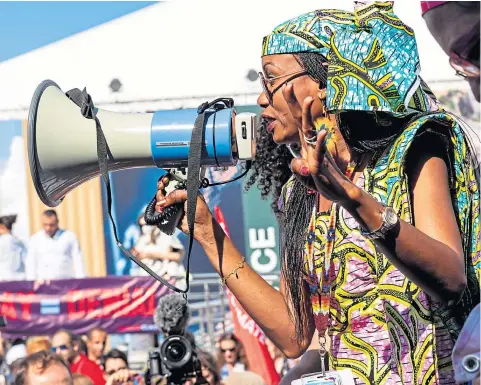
(62, 144)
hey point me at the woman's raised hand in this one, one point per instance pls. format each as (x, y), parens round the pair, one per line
(317, 167)
(203, 217)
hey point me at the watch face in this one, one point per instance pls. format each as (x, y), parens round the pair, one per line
(391, 218)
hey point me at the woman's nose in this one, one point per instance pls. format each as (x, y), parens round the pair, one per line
(262, 100)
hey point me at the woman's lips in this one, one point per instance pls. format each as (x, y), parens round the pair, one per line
(270, 126)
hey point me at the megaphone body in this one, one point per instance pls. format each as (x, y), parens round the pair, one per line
(62, 143)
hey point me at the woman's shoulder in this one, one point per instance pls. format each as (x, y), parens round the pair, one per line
(426, 136)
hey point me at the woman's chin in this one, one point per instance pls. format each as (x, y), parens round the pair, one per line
(281, 138)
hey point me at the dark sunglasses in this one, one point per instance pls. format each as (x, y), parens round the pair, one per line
(59, 347)
(264, 82)
(232, 350)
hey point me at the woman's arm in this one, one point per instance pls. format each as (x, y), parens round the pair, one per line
(429, 253)
(267, 306)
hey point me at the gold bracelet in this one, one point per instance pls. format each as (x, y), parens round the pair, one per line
(240, 265)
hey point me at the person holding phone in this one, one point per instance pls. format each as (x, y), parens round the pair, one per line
(380, 223)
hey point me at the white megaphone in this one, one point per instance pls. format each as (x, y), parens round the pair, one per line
(62, 143)
(70, 141)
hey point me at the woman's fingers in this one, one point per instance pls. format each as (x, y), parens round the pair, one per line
(292, 103)
(320, 151)
(307, 124)
(162, 183)
(176, 196)
(159, 195)
(300, 167)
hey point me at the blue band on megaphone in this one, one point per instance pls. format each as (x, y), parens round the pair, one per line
(171, 134)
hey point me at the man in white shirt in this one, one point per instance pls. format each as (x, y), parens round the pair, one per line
(53, 253)
(12, 251)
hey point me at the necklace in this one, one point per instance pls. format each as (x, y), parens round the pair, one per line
(321, 290)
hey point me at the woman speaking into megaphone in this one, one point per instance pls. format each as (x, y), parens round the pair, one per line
(372, 229)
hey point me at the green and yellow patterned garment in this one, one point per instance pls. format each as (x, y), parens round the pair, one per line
(382, 326)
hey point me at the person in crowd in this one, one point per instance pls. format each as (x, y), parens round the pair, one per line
(455, 26)
(12, 251)
(17, 352)
(13, 359)
(43, 368)
(37, 344)
(63, 344)
(80, 379)
(79, 344)
(53, 253)
(209, 367)
(4, 369)
(161, 252)
(114, 361)
(229, 357)
(96, 342)
(365, 244)
(118, 371)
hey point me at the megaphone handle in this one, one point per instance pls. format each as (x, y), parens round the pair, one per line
(166, 221)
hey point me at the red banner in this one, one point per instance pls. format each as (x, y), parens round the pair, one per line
(117, 304)
(248, 332)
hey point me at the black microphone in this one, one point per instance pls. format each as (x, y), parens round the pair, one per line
(172, 314)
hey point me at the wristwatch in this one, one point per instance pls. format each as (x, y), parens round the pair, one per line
(389, 221)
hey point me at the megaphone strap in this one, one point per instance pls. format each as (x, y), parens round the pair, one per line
(87, 108)
(84, 101)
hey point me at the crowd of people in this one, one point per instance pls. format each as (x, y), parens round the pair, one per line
(65, 358)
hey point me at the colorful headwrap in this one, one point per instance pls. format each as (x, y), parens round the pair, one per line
(373, 62)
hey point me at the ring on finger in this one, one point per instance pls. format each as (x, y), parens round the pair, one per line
(312, 139)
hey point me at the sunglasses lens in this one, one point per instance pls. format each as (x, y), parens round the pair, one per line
(60, 347)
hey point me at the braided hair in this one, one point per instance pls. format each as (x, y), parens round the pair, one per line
(270, 167)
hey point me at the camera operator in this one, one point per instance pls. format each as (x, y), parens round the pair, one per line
(117, 368)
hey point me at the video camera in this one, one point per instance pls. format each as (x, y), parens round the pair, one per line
(175, 360)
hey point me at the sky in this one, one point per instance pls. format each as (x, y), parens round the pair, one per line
(27, 25)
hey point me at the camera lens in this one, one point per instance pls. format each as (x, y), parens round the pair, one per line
(175, 351)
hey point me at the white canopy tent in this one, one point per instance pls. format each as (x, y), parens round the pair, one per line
(176, 54)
